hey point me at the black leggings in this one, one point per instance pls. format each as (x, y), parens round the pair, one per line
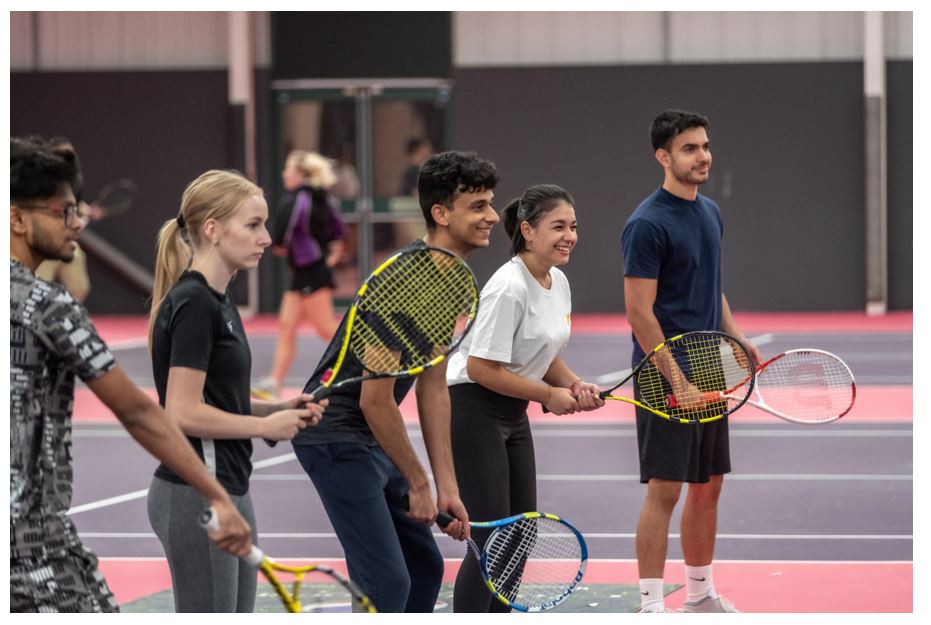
(496, 471)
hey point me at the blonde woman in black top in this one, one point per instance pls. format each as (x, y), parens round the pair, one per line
(202, 363)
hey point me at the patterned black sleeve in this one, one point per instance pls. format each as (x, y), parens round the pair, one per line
(68, 331)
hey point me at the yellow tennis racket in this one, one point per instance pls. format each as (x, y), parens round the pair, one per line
(677, 378)
(291, 598)
(408, 316)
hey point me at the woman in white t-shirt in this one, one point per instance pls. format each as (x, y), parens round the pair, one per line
(511, 358)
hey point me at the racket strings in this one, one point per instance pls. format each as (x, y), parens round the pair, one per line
(408, 314)
(533, 561)
(709, 362)
(808, 385)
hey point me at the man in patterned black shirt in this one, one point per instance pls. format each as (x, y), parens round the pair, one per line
(52, 340)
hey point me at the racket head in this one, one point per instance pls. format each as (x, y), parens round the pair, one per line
(413, 310)
(532, 562)
(115, 198)
(273, 570)
(808, 386)
(703, 366)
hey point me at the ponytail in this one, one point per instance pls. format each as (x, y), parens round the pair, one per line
(172, 257)
(512, 226)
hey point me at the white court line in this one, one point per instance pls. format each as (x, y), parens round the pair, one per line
(602, 560)
(588, 535)
(139, 494)
(623, 430)
(608, 477)
(120, 345)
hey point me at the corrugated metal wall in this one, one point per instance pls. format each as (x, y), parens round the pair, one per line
(486, 39)
(123, 40)
(189, 40)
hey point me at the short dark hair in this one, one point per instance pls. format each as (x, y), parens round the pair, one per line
(531, 207)
(671, 122)
(37, 172)
(447, 173)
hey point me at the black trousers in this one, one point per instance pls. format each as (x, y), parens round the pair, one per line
(496, 471)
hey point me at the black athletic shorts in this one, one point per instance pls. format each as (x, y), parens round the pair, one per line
(682, 452)
(311, 278)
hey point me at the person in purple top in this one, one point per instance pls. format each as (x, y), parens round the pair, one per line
(309, 232)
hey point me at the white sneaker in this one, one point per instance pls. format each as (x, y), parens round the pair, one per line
(718, 604)
(266, 388)
(653, 608)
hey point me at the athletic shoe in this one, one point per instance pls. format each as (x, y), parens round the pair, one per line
(718, 604)
(648, 610)
(266, 388)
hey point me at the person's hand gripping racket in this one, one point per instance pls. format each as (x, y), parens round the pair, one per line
(232, 533)
(286, 418)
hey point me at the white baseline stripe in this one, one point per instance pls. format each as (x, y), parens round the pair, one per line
(601, 477)
(601, 560)
(588, 535)
(112, 501)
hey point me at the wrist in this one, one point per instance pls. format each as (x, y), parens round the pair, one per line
(549, 394)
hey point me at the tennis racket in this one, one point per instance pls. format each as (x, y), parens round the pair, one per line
(531, 562)
(808, 386)
(676, 379)
(291, 598)
(408, 316)
(115, 198)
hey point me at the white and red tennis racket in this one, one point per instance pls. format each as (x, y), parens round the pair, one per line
(808, 386)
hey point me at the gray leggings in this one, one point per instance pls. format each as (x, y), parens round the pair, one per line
(204, 577)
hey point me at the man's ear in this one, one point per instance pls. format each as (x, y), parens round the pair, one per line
(662, 156)
(440, 214)
(17, 220)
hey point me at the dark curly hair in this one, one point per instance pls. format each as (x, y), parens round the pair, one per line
(447, 173)
(37, 171)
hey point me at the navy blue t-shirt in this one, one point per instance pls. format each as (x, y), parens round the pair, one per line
(678, 243)
(343, 420)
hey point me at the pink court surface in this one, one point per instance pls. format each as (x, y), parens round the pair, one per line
(870, 583)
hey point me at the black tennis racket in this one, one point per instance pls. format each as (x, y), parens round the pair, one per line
(408, 316)
(531, 562)
(271, 568)
(679, 377)
(115, 198)
(808, 386)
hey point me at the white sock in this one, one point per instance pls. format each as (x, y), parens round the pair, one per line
(651, 594)
(698, 583)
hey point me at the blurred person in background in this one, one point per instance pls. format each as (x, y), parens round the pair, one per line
(309, 231)
(418, 150)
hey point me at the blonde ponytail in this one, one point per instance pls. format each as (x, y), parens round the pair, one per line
(172, 257)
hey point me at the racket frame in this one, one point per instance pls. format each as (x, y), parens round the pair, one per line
(751, 378)
(330, 375)
(761, 401)
(499, 525)
(267, 565)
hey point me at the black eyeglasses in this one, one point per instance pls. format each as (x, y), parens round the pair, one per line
(69, 212)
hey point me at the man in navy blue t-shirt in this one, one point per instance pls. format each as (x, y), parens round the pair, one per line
(672, 284)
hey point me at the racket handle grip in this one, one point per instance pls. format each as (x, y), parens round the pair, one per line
(210, 522)
(443, 519)
(708, 397)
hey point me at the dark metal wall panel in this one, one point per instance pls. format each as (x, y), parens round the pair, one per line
(161, 129)
(899, 142)
(395, 44)
(787, 141)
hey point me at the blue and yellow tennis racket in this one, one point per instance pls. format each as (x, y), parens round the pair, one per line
(531, 562)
